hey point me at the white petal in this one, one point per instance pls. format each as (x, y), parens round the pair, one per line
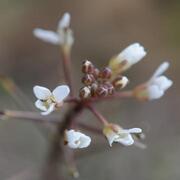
(49, 110)
(39, 104)
(154, 92)
(47, 36)
(64, 21)
(127, 140)
(160, 70)
(135, 130)
(72, 138)
(84, 141)
(42, 93)
(60, 93)
(133, 53)
(77, 139)
(112, 138)
(163, 82)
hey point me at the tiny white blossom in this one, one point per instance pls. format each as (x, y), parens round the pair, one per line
(47, 100)
(128, 57)
(115, 133)
(156, 86)
(75, 139)
(62, 36)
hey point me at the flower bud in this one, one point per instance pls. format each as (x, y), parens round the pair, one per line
(109, 87)
(120, 82)
(96, 73)
(85, 93)
(102, 91)
(105, 73)
(94, 87)
(128, 57)
(87, 67)
(88, 79)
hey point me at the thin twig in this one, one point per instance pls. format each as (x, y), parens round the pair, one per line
(67, 70)
(99, 116)
(115, 96)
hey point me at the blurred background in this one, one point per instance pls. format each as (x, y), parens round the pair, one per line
(102, 28)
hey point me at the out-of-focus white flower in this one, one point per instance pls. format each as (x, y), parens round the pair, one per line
(128, 57)
(48, 101)
(75, 139)
(115, 133)
(156, 86)
(63, 36)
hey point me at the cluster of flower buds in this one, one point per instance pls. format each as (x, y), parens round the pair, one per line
(99, 83)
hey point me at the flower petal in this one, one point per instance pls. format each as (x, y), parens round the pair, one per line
(41, 92)
(84, 141)
(72, 138)
(163, 82)
(49, 110)
(154, 92)
(47, 36)
(64, 21)
(127, 140)
(135, 130)
(133, 53)
(160, 70)
(77, 139)
(60, 93)
(39, 104)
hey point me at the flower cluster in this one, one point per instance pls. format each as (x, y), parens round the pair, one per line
(99, 83)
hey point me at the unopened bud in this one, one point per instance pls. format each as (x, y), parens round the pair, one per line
(102, 91)
(94, 87)
(88, 79)
(109, 87)
(120, 82)
(87, 67)
(85, 92)
(105, 73)
(96, 73)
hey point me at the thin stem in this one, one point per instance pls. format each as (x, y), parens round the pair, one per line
(26, 115)
(90, 128)
(125, 94)
(56, 151)
(67, 69)
(99, 116)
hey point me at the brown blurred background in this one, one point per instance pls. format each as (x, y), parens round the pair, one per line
(102, 28)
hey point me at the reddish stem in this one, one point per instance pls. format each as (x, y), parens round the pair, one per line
(125, 94)
(99, 116)
(67, 69)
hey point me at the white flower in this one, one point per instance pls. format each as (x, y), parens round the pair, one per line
(47, 100)
(156, 86)
(63, 36)
(75, 139)
(115, 133)
(128, 57)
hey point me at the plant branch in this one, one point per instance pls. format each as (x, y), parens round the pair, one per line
(67, 69)
(56, 150)
(99, 116)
